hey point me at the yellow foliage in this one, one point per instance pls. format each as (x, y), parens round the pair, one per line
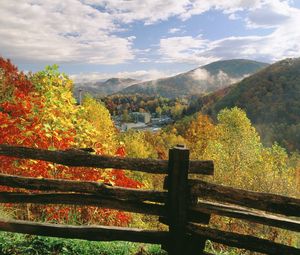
(99, 117)
(199, 133)
(88, 125)
(242, 161)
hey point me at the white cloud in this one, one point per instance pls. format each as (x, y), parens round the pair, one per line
(60, 31)
(174, 30)
(269, 14)
(234, 16)
(281, 42)
(150, 11)
(84, 31)
(227, 6)
(142, 75)
(185, 49)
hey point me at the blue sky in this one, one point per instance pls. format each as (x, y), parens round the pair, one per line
(145, 39)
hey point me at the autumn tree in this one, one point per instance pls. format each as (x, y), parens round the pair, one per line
(242, 161)
(136, 145)
(199, 133)
(236, 151)
(39, 111)
(99, 117)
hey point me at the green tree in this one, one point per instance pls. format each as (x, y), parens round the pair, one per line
(242, 161)
(236, 151)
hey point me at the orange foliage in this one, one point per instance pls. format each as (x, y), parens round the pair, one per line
(20, 124)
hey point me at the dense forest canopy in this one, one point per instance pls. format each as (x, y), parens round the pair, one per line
(271, 100)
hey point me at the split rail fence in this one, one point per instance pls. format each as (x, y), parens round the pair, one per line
(185, 204)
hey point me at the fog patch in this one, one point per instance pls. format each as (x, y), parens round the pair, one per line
(221, 78)
(201, 75)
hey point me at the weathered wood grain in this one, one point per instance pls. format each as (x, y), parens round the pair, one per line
(242, 241)
(81, 158)
(177, 202)
(83, 199)
(92, 233)
(97, 188)
(245, 214)
(262, 201)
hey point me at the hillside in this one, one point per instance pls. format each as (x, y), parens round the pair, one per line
(107, 87)
(271, 100)
(201, 80)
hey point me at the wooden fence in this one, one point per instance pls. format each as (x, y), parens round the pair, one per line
(185, 205)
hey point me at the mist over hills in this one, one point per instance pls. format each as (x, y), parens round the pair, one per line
(201, 80)
(271, 98)
(103, 88)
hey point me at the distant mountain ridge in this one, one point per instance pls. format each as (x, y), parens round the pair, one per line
(103, 88)
(201, 80)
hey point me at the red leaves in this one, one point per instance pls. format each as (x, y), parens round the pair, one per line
(21, 123)
(13, 77)
(120, 179)
(121, 151)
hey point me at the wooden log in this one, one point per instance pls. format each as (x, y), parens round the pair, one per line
(166, 183)
(205, 167)
(83, 199)
(79, 158)
(262, 201)
(192, 216)
(242, 241)
(198, 217)
(96, 188)
(92, 233)
(195, 244)
(177, 202)
(245, 214)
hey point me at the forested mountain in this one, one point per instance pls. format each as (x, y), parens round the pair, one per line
(271, 100)
(107, 87)
(201, 80)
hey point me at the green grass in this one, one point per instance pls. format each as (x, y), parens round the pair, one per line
(19, 244)
(23, 244)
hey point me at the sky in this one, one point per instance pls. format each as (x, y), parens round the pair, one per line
(145, 39)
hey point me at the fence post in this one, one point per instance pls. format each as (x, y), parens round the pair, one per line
(196, 245)
(177, 203)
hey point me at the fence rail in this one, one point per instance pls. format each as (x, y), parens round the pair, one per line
(84, 159)
(242, 241)
(101, 189)
(247, 214)
(92, 233)
(263, 201)
(182, 205)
